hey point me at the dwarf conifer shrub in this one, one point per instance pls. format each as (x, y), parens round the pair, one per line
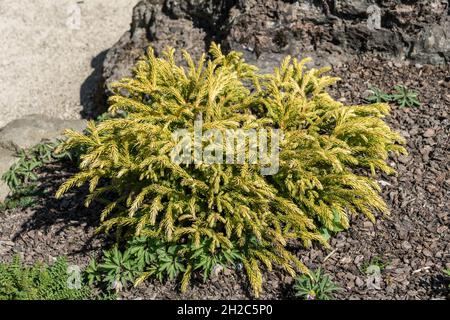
(326, 156)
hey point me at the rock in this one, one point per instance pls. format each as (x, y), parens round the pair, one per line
(352, 7)
(433, 44)
(266, 31)
(427, 253)
(227, 272)
(406, 245)
(5, 246)
(6, 243)
(26, 132)
(7, 159)
(31, 129)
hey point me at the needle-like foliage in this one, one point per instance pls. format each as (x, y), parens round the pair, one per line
(326, 150)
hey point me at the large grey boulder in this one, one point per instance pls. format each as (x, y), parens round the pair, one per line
(29, 130)
(331, 31)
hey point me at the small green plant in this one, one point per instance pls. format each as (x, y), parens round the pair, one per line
(168, 262)
(335, 227)
(39, 282)
(405, 97)
(378, 96)
(118, 268)
(22, 176)
(315, 286)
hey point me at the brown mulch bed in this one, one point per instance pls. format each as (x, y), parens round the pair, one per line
(413, 242)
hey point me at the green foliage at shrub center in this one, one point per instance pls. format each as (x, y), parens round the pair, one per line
(325, 153)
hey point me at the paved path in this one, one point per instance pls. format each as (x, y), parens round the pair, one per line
(48, 56)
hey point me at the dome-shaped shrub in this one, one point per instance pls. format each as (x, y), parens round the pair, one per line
(326, 154)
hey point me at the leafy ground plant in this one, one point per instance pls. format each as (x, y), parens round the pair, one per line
(324, 157)
(405, 97)
(39, 282)
(21, 179)
(317, 286)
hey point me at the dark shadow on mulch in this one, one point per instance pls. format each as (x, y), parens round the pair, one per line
(92, 96)
(61, 214)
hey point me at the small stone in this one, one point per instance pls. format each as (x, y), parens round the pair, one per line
(384, 183)
(406, 245)
(404, 159)
(429, 133)
(350, 284)
(7, 159)
(288, 279)
(346, 260)
(217, 270)
(427, 253)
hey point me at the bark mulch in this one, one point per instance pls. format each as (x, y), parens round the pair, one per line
(411, 245)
